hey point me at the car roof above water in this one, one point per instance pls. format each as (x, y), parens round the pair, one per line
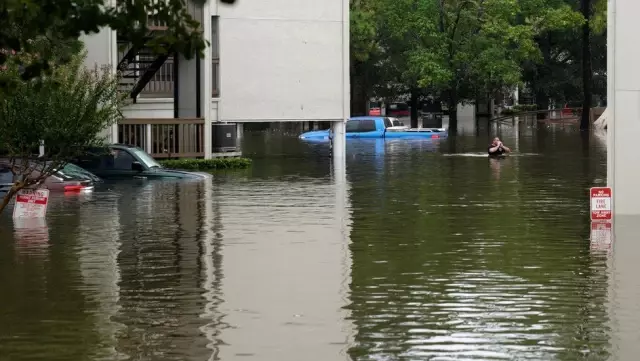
(366, 117)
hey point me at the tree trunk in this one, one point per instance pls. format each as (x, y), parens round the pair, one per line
(453, 118)
(587, 74)
(542, 103)
(7, 198)
(413, 106)
(452, 103)
(359, 92)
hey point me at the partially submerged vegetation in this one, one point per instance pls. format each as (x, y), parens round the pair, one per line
(65, 111)
(207, 164)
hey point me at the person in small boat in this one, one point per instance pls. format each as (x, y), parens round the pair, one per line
(496, 148)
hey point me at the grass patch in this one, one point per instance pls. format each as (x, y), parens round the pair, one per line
(206, 164)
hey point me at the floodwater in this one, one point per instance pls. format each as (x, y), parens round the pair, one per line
(422, 251)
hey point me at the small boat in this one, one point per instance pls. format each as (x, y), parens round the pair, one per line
(377, 127)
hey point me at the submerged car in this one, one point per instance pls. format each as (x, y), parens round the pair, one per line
(376, 127)
(65, 179)
(120, 161)
(397, 125)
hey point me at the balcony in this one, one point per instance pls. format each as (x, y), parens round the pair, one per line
(164, 138)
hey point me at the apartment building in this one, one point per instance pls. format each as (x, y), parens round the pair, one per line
(269, 61)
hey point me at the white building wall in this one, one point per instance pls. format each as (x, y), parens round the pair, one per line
(280, 60)
(623, 175)
(624, 102)
(283, 60)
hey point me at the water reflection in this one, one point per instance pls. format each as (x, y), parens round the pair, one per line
(416, 252)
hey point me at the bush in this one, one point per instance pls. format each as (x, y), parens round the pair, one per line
(207, 164)
(524, 107)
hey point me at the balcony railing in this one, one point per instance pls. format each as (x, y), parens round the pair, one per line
(164, 138)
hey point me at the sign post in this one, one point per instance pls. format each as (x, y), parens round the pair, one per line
(601, 204)
(31, 203)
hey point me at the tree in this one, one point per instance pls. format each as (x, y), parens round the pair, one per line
(464, 50)
(60, 21)
(68, 109)
(364, 49)
(586, 8)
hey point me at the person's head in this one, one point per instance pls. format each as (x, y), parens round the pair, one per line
(496, 141)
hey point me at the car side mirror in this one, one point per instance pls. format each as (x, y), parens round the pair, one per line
(136, 166)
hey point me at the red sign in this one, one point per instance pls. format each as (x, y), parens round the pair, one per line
(31, 203)
(601, 204)
(375, 111)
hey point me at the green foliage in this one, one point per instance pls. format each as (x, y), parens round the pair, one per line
(68, 110)
(599, 20)
(61, 21)
(363, 29)
(559, 75)
(207, 164)
(524, 107)
(460, 50)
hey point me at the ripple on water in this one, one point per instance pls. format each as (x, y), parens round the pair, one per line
(429, 258)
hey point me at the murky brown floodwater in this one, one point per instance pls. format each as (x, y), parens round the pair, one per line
(428, 252)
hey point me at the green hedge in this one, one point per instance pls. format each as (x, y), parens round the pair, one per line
(524, 107)
(206, 164)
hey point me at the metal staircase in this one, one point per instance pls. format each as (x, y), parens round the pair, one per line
(139, 65)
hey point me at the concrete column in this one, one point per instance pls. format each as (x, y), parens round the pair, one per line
(240, 130)
(624, 290)
(339, 128)
(624, 103)
(187, 87)
(207, 69)
(611, 30)
(623, 175)
(339, 143)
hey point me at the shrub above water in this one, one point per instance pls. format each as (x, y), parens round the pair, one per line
(207, 164)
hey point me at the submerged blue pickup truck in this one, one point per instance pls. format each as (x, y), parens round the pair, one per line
(377, 127)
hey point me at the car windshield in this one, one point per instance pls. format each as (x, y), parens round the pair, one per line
(145, 158)
(77, 172)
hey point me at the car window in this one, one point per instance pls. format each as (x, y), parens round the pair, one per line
(367, 125)
(388, 123)
(397, 123)
(91, 160)
(352, 126)
(77, 172)
(122, 160)
(145, 158)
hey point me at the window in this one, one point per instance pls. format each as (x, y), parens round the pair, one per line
(146, 159)
(360, 126)
(352, 126)
(76, 172)
(387, 123)
(367, 125)
(119, 160)
(215, 57)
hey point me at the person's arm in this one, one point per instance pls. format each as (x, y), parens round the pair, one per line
(506, 149)
(494, 149)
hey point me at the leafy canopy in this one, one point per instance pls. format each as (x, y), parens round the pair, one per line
(456, 49)
(61, 21)
(67, 109)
